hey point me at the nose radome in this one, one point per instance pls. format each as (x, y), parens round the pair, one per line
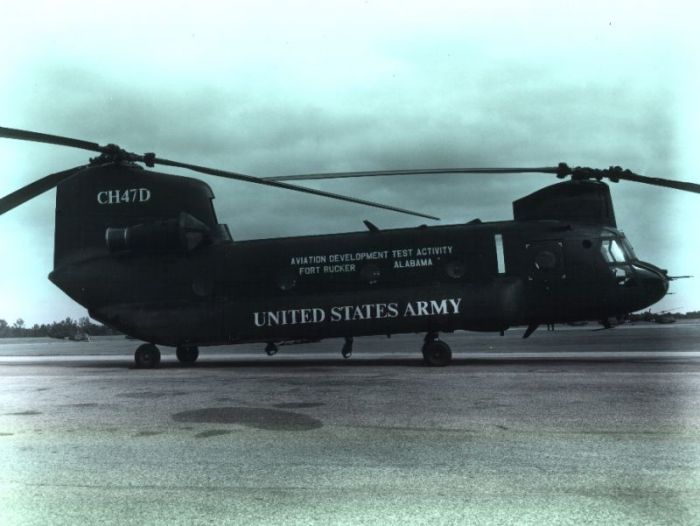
(654, 280)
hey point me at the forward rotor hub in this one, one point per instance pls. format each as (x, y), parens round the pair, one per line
(581, 173)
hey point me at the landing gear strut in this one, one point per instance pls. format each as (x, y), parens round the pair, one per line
(147, 356)
(187, 354)
(436, 353)
(346, 351)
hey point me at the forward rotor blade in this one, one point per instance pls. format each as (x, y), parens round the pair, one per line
(23, 135)
(420, 171)
(36, 188)
(268, 182)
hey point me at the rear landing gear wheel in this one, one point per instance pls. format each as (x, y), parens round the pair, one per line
(147, 356)
(187, 355)
(437, 353)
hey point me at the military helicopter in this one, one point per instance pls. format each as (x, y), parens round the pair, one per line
(145, 254)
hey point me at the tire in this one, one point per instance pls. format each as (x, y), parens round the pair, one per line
(147, 356)
(437, 353)
(187, 355)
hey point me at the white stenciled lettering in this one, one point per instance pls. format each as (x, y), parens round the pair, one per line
(289, 317)
(333, 269)
(259, 319)
(367, 311)
(438, 307)
(307, 271)
(413, 263)
(434, 251)
(129, 195)
(392, 310)
(350, 313)
(432, 307)
(307, 260)
(422, 308)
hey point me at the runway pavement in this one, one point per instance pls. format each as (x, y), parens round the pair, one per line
(567, 427)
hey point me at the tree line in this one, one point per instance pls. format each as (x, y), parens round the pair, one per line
(647, 315)
(68, 328)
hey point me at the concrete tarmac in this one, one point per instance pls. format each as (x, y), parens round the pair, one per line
(568, 427)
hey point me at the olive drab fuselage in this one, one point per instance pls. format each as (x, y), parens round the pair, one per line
(144, 253)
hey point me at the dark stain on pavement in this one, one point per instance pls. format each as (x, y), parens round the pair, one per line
(212, 433)
(6, 434)
(24, 413)
(148, 433)
(258, 418)
(84, 404)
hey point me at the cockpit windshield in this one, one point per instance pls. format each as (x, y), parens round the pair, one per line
(628, 248)
(612, 251)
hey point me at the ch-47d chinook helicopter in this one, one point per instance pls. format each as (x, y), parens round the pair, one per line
(144, 253)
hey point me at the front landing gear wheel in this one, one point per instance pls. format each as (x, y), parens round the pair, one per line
(346, 351)
(437, 353)
(147, 356)
(187, 355)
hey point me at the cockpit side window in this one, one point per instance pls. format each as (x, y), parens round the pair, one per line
(612, 251)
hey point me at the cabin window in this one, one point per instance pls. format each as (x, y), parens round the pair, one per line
(455, 269)
(500, 256)
(612, 251)
(545, 260)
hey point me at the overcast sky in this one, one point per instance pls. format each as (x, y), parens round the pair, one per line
(271, 88)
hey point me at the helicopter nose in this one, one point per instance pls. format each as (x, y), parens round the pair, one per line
(654, 281)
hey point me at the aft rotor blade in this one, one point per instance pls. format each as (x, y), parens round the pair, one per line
(657, 181)
(277, 184)
(420, 171)
(23, 135)
(36, 188)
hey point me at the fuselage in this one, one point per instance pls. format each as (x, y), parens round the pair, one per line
(476, 276)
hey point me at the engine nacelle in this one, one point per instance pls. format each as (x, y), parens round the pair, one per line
(181, 234)
(576, 201)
